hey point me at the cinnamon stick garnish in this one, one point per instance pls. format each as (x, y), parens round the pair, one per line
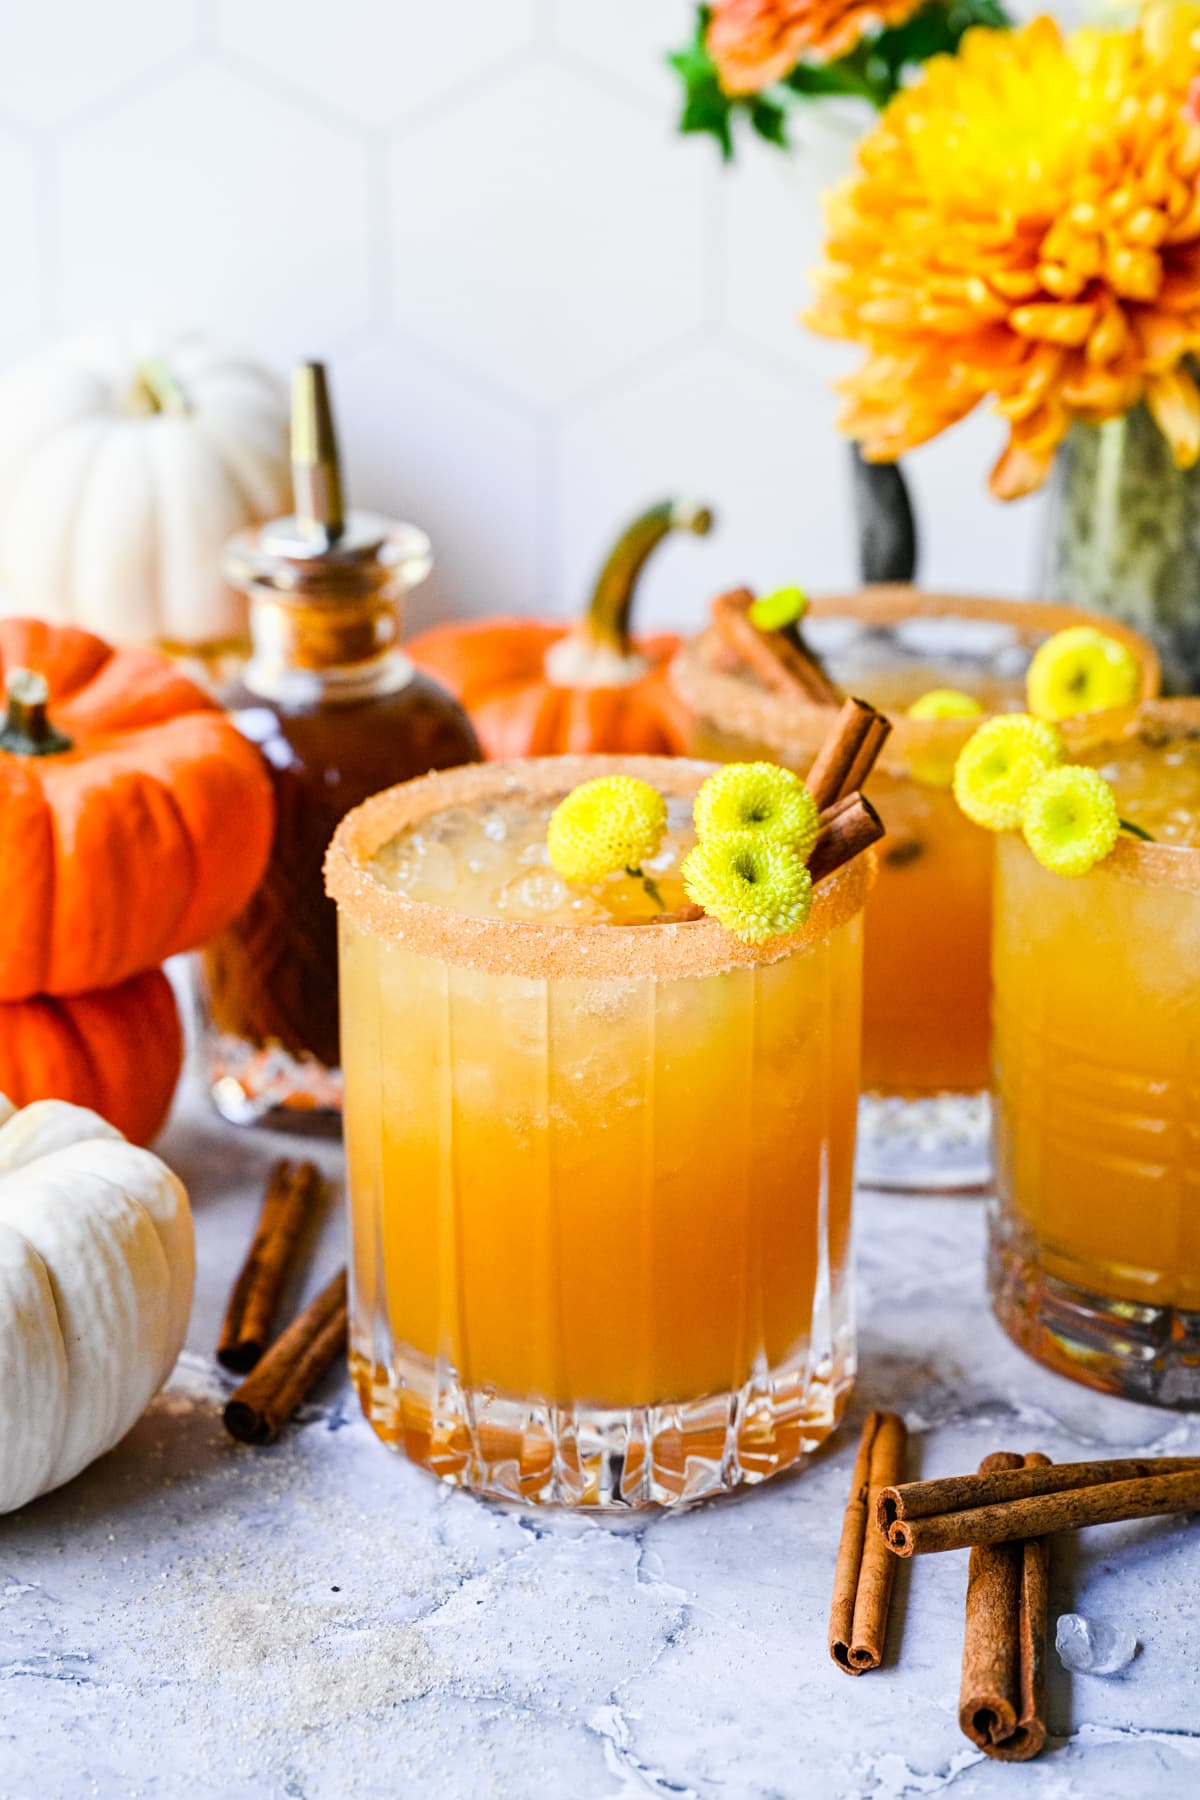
(257, 1410)
(847, 828)
(1034, 1501)
(862, 1580)
(782, 663)
(848, 754)
(877, 734)
(291, 1197)
(1001, 1704)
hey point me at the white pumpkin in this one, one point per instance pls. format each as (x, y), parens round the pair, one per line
(96, 1270)
(125, 463)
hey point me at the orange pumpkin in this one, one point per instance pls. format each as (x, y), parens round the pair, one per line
(135, 820)
(118, 1051)
(533, 687)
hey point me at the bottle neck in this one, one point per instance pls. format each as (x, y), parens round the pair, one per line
(331, 649)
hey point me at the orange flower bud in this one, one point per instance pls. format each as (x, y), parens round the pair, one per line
(756, 42)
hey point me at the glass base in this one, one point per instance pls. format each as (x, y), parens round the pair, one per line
(271, 1088)
(939, 1144)
(541, 1455)
(1125, 1347)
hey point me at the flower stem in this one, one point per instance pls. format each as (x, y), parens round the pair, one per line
(1136, 831)
(651, 886)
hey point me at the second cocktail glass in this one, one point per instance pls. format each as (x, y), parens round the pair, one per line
(925, 1120)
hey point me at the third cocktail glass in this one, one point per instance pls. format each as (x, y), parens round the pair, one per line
(1095, 1242)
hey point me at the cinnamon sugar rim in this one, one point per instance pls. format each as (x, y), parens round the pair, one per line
(524, 946)
(1162, 865)
(792, 726)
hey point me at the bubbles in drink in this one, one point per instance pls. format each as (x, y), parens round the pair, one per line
(452, 827)
(1157, 781)
(492, 861)
(537, 894)
(414, 861)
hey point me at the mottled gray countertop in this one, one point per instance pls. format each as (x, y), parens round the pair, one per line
(320, 1618)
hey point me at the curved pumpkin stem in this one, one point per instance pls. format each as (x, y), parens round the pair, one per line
(606, 622)
(156, 389)
(27, 730)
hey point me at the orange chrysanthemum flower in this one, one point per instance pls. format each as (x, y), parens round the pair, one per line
(756, 42)
(1025, 224)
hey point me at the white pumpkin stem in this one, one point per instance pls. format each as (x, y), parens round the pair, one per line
(156, 389)
(27, 730)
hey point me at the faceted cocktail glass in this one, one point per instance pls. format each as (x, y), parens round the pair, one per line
(925, 1119)
(600, 1175)
(1095, 1238)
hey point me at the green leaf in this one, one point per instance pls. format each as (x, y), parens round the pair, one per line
(877, 67)
(706, 105)
(703, 113)
(770, 122)
(874, 70)
(935, 31)
(811, 80)
(980, 12)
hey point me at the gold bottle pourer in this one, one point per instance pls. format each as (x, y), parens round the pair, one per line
(322, 549)
(316, 475)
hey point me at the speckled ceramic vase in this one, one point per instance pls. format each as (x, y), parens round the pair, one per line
(1124, 538)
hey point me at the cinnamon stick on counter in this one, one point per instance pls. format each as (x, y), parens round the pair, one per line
(958, 1493)
(1034, 1500)
(293, 1191)
(847, 828)
(848, 754)
(862, 1580)
(257, 1410)
(782, 663)
(1002, 1700)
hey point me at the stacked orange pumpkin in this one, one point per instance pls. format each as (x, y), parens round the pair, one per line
(135, 822)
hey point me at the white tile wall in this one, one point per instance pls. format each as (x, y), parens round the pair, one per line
(542, 308)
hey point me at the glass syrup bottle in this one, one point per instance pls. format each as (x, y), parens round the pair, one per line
(338, 712)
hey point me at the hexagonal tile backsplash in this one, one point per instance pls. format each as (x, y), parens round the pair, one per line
(541, 307)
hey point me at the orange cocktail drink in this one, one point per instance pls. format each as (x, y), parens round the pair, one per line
(600, 1169)
(1095, 1256)
(926, 1028)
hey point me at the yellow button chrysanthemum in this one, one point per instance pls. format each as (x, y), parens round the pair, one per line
(1000, 764)
(771, 612)
(758, 800)
(756, 887)
(1070, 820)
(614, 822)
(1081, 670)
(945, 703)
